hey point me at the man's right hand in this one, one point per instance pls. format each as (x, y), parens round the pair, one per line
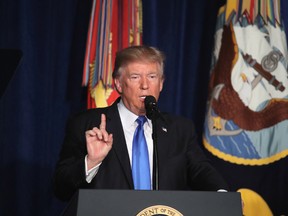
(98, 143)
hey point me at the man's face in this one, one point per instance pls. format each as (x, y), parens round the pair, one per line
(137, 81)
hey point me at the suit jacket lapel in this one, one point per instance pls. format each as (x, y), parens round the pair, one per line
(114, 126)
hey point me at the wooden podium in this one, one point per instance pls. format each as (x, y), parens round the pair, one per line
(153, 203)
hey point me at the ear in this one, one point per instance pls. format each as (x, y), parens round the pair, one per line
(118, 85)
(161, 84)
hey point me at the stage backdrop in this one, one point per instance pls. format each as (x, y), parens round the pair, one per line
(46, 87)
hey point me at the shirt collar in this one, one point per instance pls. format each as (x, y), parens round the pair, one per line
(128, 118)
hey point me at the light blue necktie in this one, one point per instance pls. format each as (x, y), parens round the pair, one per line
(140, 159)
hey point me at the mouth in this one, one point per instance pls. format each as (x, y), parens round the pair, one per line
(142, 98)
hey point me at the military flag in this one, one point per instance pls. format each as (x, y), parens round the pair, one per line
(247, 116)
(113, 25)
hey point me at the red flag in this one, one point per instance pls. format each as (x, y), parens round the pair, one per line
(113, 25)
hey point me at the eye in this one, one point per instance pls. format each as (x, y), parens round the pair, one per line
(134, 77)
(152, 76)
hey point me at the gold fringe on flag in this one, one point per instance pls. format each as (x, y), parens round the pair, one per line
(267, 10)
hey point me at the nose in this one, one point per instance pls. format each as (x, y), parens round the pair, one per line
(144, 83)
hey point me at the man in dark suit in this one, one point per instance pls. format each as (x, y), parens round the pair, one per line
(97, 149)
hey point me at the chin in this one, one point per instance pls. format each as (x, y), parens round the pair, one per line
(142, 111)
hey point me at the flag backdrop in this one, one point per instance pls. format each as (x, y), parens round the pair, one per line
(113, 25)
(46, 89)
(247, 116)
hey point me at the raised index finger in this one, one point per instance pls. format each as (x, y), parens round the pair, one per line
(102, 126)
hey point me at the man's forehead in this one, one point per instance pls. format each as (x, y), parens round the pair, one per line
(151, 66)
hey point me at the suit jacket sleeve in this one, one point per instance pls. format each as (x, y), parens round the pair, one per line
(184, 164)
(203, 176)
(70, 169)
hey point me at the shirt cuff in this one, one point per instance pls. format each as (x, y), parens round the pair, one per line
(90, 174)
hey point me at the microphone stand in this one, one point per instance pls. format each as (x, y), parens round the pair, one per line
(155, 153)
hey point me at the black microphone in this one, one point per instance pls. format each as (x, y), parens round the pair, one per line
(151, 107)
(153, 113)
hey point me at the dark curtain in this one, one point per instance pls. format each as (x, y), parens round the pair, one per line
(44, 90)
(184, 30)
(46, 86)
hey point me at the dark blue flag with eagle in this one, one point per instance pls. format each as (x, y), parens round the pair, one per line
(246, 124)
